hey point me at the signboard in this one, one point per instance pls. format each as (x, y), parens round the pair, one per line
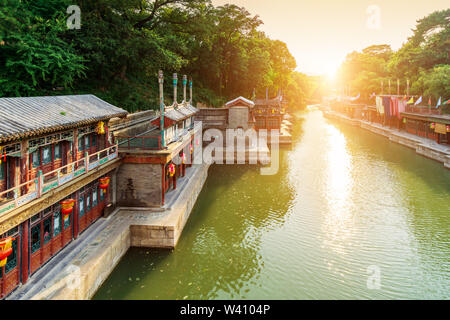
(440, 128)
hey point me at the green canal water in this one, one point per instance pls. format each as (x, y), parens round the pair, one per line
(345, 204)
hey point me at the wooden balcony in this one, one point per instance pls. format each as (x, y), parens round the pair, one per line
(24, 193)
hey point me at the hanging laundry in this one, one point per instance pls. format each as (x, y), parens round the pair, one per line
(401, 108)
(380, 108)
(394, 107)
(387, 106)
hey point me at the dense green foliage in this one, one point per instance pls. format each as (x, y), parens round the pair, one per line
(122, 44)
(423, 59)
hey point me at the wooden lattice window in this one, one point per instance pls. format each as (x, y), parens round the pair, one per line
(57, 151)
(35, 238)
(81, 206)
(47, 230)
(57, 225)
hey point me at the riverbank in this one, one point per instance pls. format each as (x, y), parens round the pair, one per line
(80, 269)
(423, 146)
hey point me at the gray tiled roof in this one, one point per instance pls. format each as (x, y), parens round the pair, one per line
(180, 113)
(27, 116)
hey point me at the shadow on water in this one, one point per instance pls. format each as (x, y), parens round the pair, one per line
(217, 254)
(343, 199)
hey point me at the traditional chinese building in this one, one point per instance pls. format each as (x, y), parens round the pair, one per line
(240, 113)
(155, 157)
(268, 113)
(428, 123)
(56, 157)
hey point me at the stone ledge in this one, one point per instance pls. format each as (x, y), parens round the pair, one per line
(122, 230)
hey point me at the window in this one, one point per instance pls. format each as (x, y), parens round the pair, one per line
(36, 158)
(94, 140)
(80, 144)
(102, 195)
(67, 221)
(2, 170)
(81, 206)
(12, 259)
(36, 238)
(46, 154)
(35, 217)
(57, 223)
(57, 151)
(88, 202)
(47, 230)
(86, 142)
(94, 197)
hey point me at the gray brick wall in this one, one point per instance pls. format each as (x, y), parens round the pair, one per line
(139, 185)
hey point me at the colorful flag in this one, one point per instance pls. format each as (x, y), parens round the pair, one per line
(447, 102)
(439, 102)
(418, 101)
(355, 98)
(411, 101)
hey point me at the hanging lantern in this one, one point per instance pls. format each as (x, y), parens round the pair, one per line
(5, 250)
(104, 183)
(191, 148)
(404, 120)
(67, 207)
(183, 157)
(101, 127)
(171, 170)
(432, 125)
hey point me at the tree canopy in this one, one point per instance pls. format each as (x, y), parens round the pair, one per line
(423, 59)
(122, 44)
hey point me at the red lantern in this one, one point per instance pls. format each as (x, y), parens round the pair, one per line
(67, 207)
(104, 183)
(5, 250)
(171, 169)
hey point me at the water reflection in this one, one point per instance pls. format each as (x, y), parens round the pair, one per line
(344, 199)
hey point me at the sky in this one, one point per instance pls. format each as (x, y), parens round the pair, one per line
(320, 33)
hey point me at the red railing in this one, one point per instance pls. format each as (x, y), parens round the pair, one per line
(26, 192)
(423, 110)
(139, 142)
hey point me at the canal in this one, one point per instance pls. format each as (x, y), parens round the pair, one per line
(346, 206)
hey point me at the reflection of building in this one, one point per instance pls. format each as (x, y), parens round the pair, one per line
(53, 149)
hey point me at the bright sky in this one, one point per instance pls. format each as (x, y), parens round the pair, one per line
(320, 33)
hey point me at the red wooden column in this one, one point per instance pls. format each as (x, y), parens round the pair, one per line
(24, 165)
(175, 179)
(75, 145)
(163, 183)
(75, 217)
(25, 233)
